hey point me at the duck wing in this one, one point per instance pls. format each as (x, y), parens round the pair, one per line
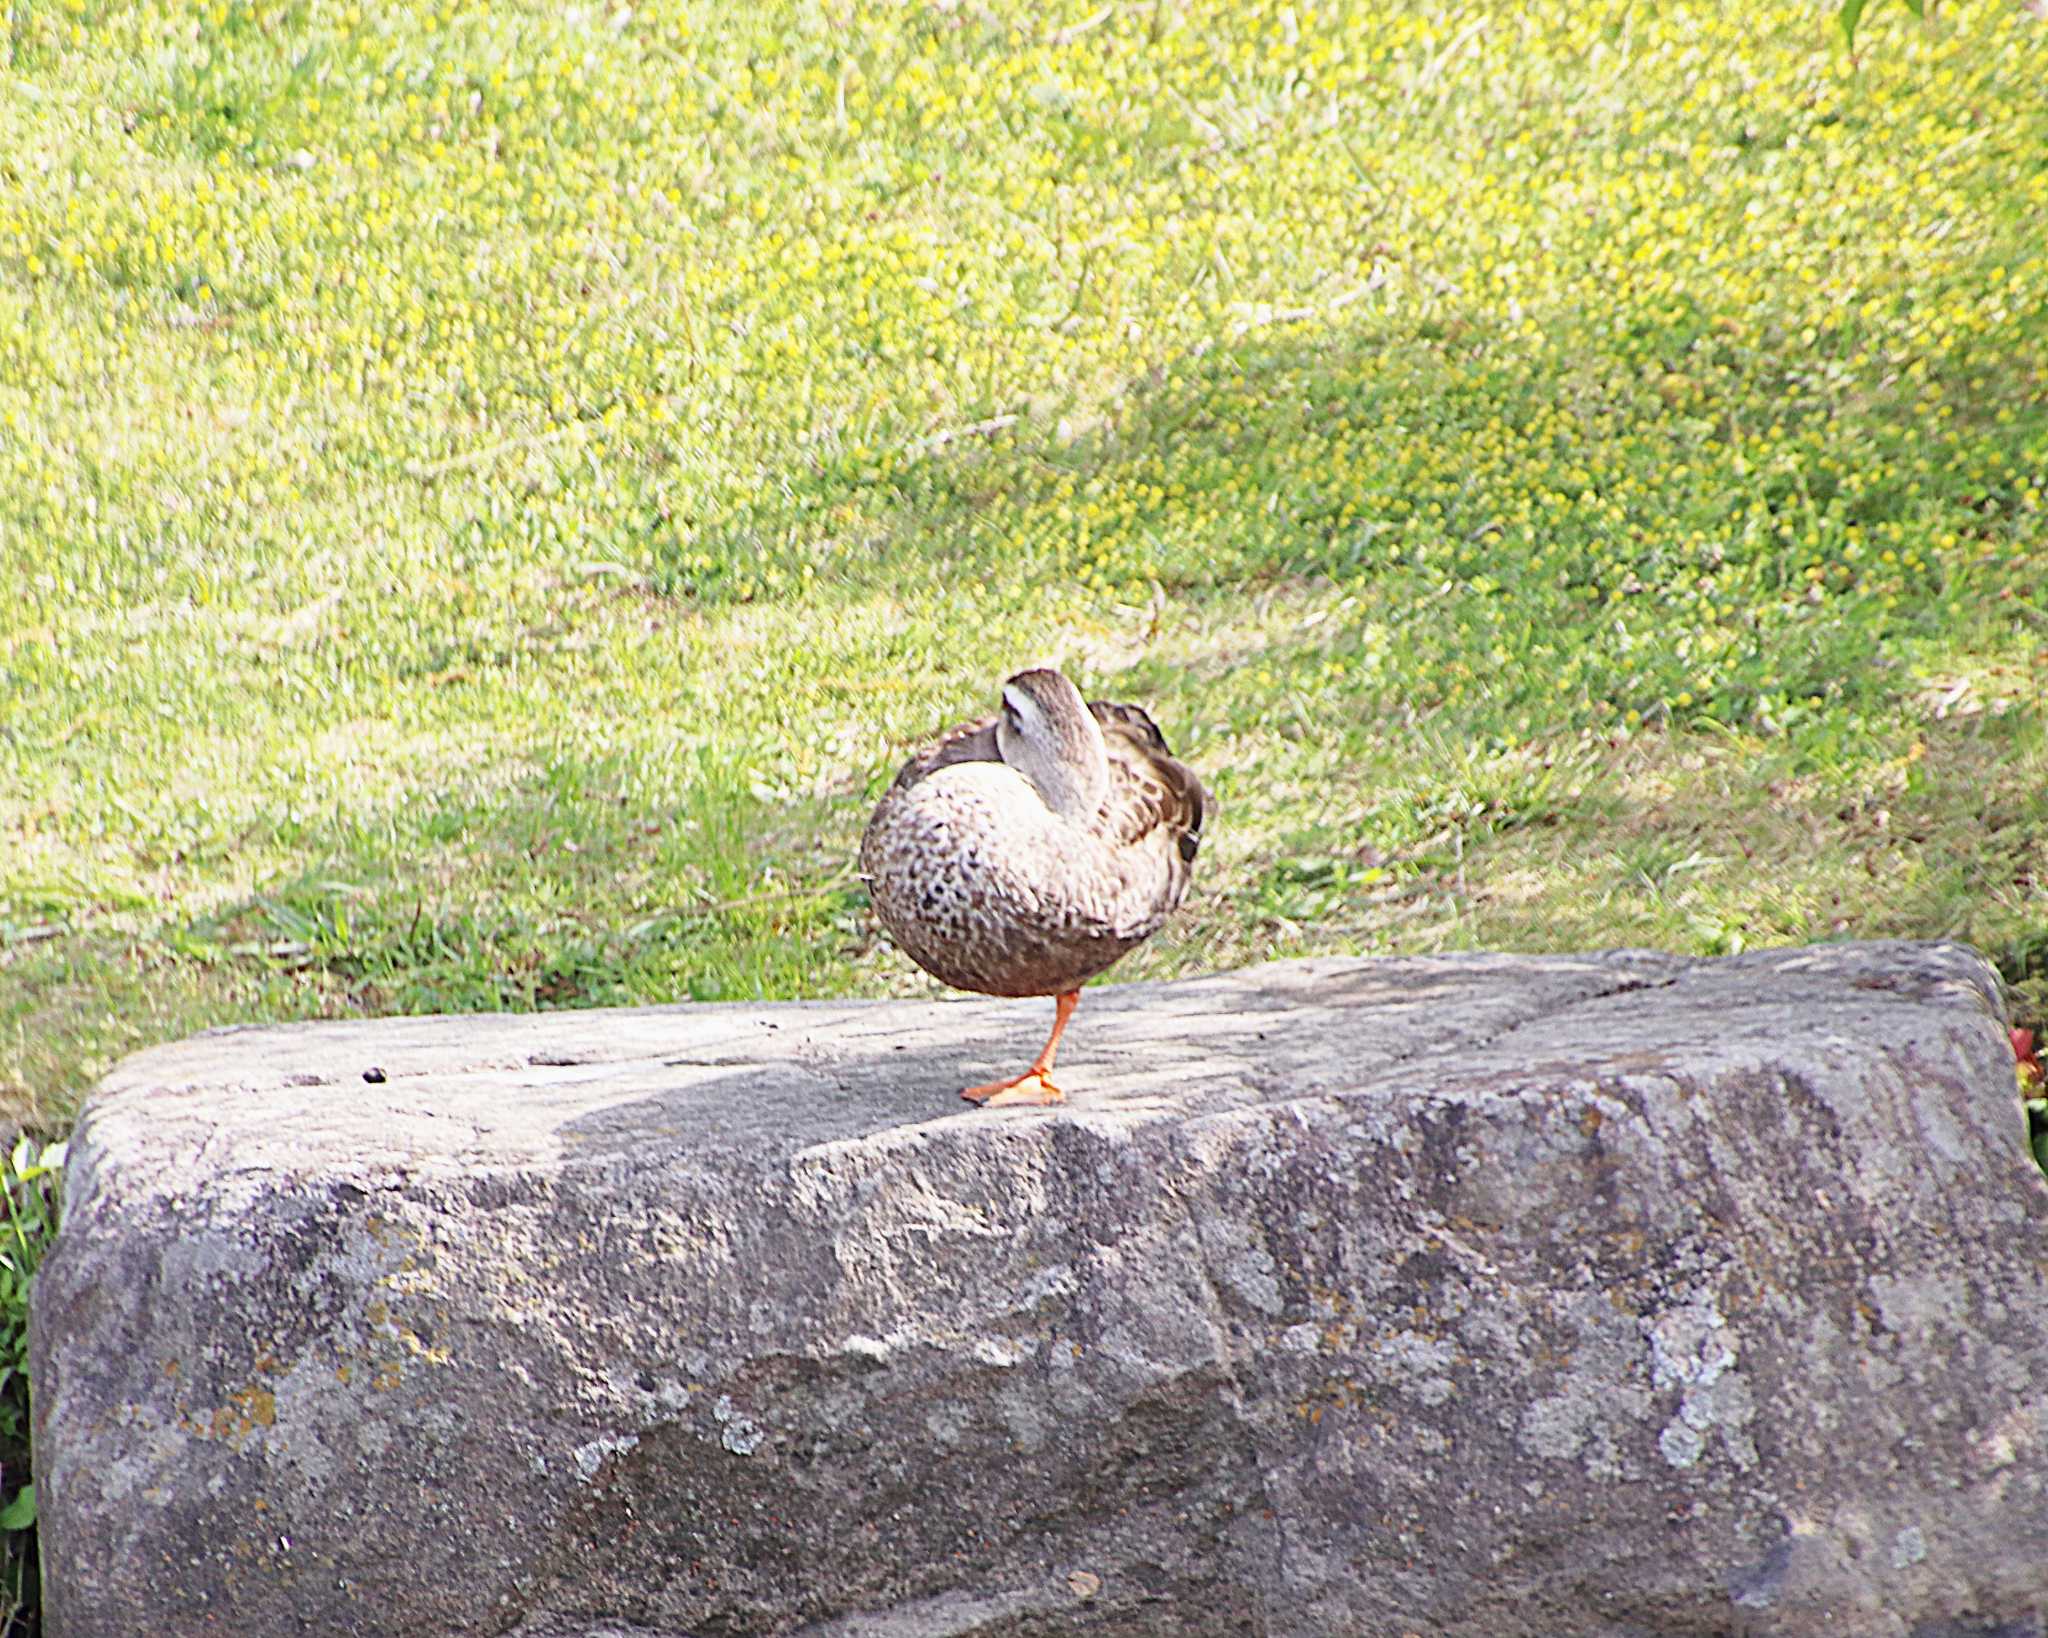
(968, 742)
(1154, 798)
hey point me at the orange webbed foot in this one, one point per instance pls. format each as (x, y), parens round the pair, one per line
(1033, 1086)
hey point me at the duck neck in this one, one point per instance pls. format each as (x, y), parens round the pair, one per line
(1067, 764)
(1073, 787)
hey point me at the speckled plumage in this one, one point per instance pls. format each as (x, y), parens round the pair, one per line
(986, 887)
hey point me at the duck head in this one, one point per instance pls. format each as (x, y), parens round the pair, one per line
(1047, 733)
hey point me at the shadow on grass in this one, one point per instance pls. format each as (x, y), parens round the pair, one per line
(1660, 520)
(579, 882)
(571, 887)
(1471, 586)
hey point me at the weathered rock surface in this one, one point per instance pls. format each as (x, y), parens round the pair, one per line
(1483, 1295)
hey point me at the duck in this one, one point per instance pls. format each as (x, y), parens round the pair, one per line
(1023, 854)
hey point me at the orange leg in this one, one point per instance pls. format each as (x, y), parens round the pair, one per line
(1035, 1084)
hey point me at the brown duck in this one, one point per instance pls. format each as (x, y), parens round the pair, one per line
(1023, 854)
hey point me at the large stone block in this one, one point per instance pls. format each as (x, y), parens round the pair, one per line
(1483, 1295)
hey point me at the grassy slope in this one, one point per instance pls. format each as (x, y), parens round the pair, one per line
(487, 493)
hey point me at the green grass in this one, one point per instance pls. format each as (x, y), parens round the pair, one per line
(30, 1179)
(488, 494)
